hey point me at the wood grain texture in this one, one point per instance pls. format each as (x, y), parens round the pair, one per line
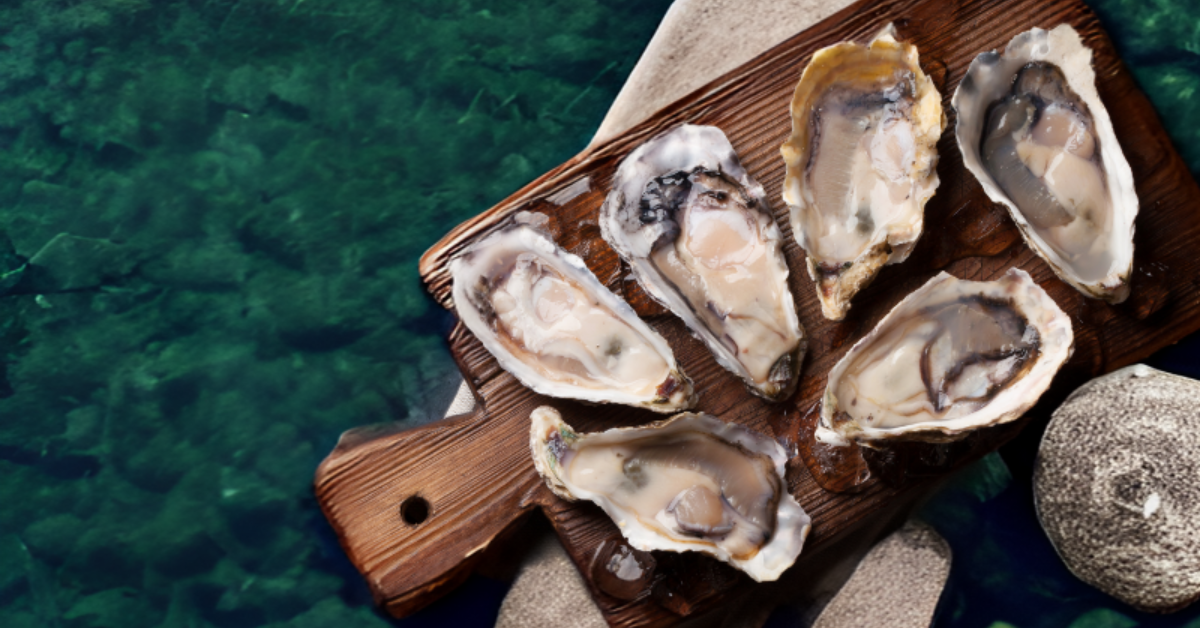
(476, 472)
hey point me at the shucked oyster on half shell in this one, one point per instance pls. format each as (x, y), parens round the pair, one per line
(1033, 131)
(553, 325)
(689, 483)
(953, 356)
(700, 238)
(861, 163)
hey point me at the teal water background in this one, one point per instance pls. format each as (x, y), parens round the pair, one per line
(246, 186)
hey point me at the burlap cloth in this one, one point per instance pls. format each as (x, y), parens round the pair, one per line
(709, 38)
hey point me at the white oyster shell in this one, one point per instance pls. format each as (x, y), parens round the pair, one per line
(689, 483)
(1070, 160)
(861, 163)
(953, 356)
(700, 238)
(553, 325)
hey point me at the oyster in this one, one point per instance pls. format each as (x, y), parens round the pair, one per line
(697, 232)
(553, 325)
(1033, 131)
(689, 483)
(953, 356)
(861, 163)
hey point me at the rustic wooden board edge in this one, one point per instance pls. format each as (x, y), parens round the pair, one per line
(1152, 302)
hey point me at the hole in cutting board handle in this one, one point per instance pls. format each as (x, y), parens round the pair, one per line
(414, 510)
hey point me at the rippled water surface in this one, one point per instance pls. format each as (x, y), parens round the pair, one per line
(225, 200)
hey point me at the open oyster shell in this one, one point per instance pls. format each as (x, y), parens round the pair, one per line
(861, 163)
(689, 483)
(553, 325)
(697, 232)
(1033, 131)
(953, 356)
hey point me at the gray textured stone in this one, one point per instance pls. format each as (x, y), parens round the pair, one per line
(898, 583)
(1117, 486)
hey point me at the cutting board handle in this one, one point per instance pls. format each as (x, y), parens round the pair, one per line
(415, 509)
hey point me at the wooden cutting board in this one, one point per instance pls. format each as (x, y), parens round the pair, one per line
(417, 510)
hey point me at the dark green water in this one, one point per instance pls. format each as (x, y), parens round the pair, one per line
(246, 186)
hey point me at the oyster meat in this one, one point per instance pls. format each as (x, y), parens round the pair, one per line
(697, 232)
(1033, 131)
(861, 163)
(553, 325)
(689, 483)
(951, 357)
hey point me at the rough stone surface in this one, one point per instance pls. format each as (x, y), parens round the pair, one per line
(897, 584)
(1116, 486)
(700, 40)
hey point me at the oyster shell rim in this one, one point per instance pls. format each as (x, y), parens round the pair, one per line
(897, 244)
(616, 200)
(1063, 47)
(537, 240)
(1056, 347)
(792, 523)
